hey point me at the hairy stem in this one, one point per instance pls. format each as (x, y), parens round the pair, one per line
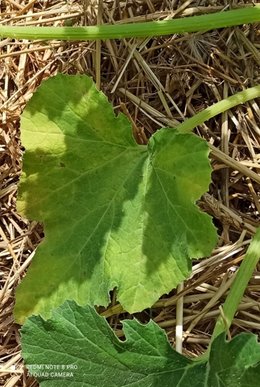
(157, 28)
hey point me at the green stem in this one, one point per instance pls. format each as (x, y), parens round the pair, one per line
(238, 287)
(236, 292)
(219, 107)
(157, 28)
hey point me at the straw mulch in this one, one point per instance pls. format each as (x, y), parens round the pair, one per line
(156, 82)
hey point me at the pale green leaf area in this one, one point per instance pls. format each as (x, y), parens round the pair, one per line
(115, 214)
(82, 343)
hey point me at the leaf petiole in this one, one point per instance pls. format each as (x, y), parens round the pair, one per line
(218, 108)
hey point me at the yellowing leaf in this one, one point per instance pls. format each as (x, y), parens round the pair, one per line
(115, 214)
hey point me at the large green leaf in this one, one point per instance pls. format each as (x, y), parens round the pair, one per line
(79, 342)
(115, 214)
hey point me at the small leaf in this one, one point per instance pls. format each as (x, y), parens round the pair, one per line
(80, 342)
(115, 214)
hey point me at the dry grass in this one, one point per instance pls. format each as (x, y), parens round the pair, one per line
(156, 82)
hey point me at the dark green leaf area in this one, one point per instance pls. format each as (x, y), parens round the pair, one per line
(82, 342)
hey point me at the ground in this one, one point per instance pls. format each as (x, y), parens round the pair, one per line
(156, 82)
